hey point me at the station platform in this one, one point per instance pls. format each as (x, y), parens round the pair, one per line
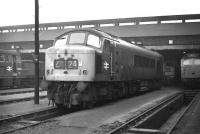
(21, 96)
(17, 90)
(13, 109)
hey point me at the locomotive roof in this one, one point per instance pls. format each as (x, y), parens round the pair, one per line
(96, 31)
(191, 55)
(13, 52)
(115, 38)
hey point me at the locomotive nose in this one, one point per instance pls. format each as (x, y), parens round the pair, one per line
(72, 63)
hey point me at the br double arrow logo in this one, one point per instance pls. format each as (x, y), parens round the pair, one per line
(106, 65)
(9, 68)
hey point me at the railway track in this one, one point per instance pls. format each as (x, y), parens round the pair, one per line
(173, 128)
(146, 120)
(139, 123)
(189, 94)
(22, 121)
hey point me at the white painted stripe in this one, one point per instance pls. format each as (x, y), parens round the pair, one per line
(19, 69)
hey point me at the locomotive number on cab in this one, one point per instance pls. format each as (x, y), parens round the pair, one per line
(72, 64)
(63, 64)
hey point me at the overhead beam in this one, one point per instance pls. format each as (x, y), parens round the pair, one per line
(174, 47)
(116, 22)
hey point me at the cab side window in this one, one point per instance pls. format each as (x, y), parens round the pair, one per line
(61, 41)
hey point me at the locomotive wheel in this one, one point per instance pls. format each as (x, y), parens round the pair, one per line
(59, 105)
(156, 84)
(126, 89)
(87, 105)
(132, 89)
(114, 95)
(151, 85)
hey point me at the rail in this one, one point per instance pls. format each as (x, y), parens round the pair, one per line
(30, 119)
(138, 120)
(196, 98)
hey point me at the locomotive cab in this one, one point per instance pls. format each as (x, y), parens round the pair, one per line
(72, 58)
(190, 69)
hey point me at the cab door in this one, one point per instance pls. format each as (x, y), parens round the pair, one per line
(109, 59)
(14, 65)
(106, 59)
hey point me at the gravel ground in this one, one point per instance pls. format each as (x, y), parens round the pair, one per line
(101, 119)
(45, 128)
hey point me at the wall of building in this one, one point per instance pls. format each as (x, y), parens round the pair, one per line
(25, 45)
(166, 40)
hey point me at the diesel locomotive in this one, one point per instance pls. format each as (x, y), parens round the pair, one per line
(28, 67)
(17, 68)
(85, 66)
(190, 70)
(10, 69)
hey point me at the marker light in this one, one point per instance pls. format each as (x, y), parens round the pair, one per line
(85, 72)
(48, 71)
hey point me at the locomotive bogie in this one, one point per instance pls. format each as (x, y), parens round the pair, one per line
(89, 93)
